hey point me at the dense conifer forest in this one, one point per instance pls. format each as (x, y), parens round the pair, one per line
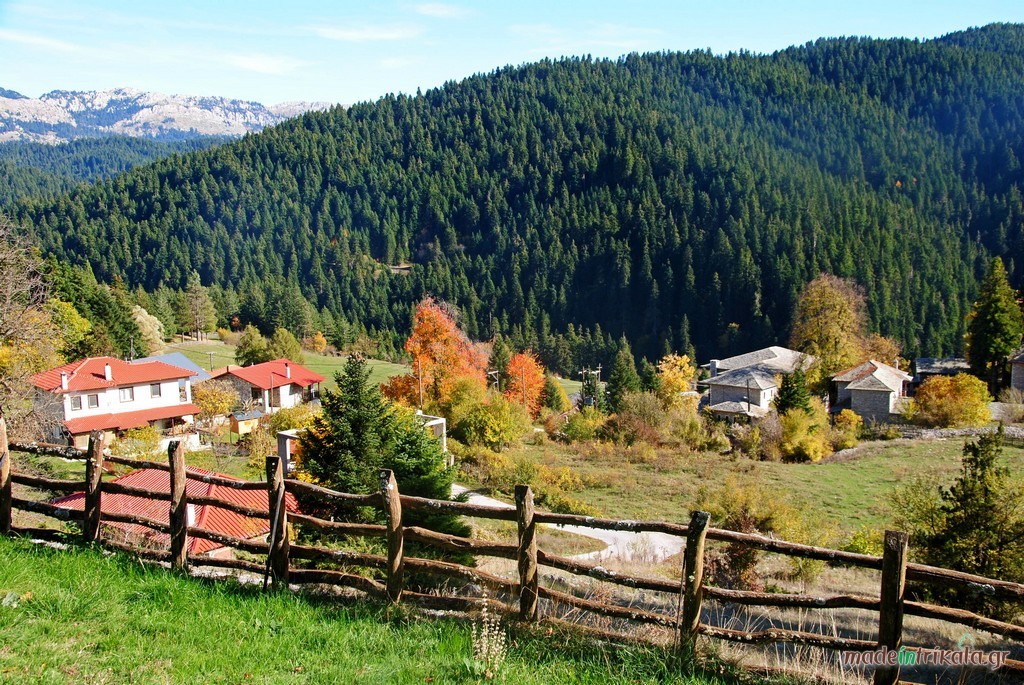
(679, 199)
(28, 169)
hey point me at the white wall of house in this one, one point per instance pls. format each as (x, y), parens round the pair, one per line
(127, 398)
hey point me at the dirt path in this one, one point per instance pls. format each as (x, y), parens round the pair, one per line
(621, 545)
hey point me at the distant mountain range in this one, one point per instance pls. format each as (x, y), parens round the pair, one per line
(61, 115)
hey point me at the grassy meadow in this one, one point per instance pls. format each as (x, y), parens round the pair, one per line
(78, 615)
(221, 354)
(848, 491)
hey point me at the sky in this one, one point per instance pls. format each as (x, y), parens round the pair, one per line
(346, 52)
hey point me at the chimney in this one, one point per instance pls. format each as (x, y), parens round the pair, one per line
(713, 367)
(287, 370)
(107, 373)
(63, 380)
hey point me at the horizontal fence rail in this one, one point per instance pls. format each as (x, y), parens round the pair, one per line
(283, 561)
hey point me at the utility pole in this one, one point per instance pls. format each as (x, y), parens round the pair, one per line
(496, 374)
(419, 380)
(522, 373)
(211, 361)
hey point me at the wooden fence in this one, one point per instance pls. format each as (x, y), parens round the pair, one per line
(287, 563)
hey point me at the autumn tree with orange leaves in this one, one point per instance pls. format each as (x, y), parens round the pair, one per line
(442, 357)
(525, 383)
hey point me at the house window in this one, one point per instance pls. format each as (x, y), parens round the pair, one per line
(127, 394)
(76, 403)
(93, 401)
(154, 390)
(182, 392)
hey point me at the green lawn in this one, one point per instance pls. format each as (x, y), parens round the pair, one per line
(221, 354)
(77, 616)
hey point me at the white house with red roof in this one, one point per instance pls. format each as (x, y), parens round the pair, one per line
(214, 519)
(273, 385)
(111, 395)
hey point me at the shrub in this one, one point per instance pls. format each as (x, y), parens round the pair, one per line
(845, 430)
(747, 508)
(952, 402)
(496, 424)
(584, 425)
(865, 540)
(300, 416)
(805, 436)
(136, 442)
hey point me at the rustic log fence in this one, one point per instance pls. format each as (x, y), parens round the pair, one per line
(284, 560)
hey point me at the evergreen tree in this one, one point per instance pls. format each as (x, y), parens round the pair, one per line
(623, 377)
(200, 313)
(981, 528)
(501, 354)
(554, 397)
(284, 345)
(649, 380)
(793, 393)
(995, 327)
(359, 433)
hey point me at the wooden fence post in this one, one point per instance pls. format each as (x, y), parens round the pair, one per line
(527, 554)
(693, 582)
(93, 493)
(5, 480)
(393, 511)
(278, 561)
(179, 506)
(890, 616)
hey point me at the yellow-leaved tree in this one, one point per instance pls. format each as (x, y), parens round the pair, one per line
(675, 376)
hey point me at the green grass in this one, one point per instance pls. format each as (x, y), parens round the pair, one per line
(223, 354)
(79, 616)
(848, 493)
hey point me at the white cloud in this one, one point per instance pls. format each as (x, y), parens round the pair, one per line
(366, 33)
(37, 40)
(275, 65)
(440, 10)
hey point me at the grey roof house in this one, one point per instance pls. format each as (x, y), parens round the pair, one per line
(872, 390)
(746, 384)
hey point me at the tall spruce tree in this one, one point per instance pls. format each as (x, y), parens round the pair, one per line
(995, 327)
(793, 393)
(624, 377)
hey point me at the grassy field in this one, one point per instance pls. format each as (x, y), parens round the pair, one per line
(220, 354)
(79, 616)
(848, 491)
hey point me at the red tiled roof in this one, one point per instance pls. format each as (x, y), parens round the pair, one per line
(89, 374)
(270, 375)
(129, 419)
(209, 518)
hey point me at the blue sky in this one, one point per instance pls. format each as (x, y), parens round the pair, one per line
(348, 52)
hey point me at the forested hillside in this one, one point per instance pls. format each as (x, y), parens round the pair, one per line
(39, 169)
(679, 199)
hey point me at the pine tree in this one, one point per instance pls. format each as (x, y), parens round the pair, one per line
(982, 527)
(623, 377)
(793, 393)
(500, 357)
(995, 327)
